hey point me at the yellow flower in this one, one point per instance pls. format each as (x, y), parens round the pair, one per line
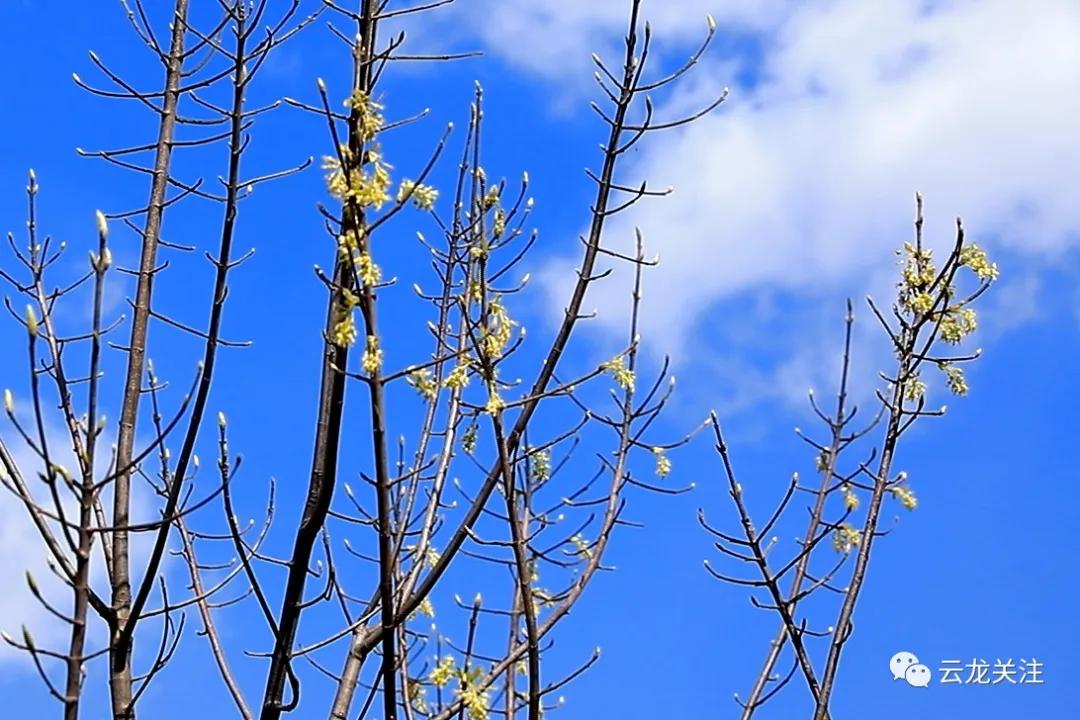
(376, 191)
(851, 500)
(916, 278)
(432, 557)
(373, 356)
(955, 377)
(914, 388)
(347, 244)
(616, 367)
(956, 324)
(540, 464)
(442, 673)
(458, 378)
(476, 291)
(370, 121)
(663, 462)
(423, 383)
(368, 272)
(974, 257)
(427, 607)
(31, 321)
(368, 189)
(499, 330)
(473, 697)
(495, 404)
(335, 178)
(345, 333)
(905, 496)
(582, 546)
(422, 196)
(845, 538)
(921, 302)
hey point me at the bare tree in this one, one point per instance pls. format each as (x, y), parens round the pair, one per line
(930, 316)
(481, 452)
(427, 499)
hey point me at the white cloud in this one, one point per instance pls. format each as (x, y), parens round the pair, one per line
(556, 37)
(22, 550)
(804, 184)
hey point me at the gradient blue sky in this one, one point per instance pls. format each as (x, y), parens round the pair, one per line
(788, 200)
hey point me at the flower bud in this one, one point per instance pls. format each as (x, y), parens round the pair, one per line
(31, 321)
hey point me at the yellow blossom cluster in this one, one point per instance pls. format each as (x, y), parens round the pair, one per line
(954, 376)
(422, 196)
(927, 295)
(845, 538)
(540, 464)
(851, 500)
(663, 462)
(956, 324)
(369, 119)
(458, 378)
(917, 276)
(499, 329)
(581, 545)
(495, 403)
(344, 333)
(905, 496)
(473, 696)
(919, 271)
(366, 269)
(427, 608)
(476, 291)
(921, 302)
(366, 182)
(349, 249)
(443, 672)
(423, 383)
(616, 368)
(974, 257)
(914, 388)
(480, 250)
(373, 356)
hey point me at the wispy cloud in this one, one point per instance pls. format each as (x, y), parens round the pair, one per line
(22, 550)
(555, 38)
(804, 183)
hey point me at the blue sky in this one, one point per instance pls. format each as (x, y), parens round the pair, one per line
(788, 200)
